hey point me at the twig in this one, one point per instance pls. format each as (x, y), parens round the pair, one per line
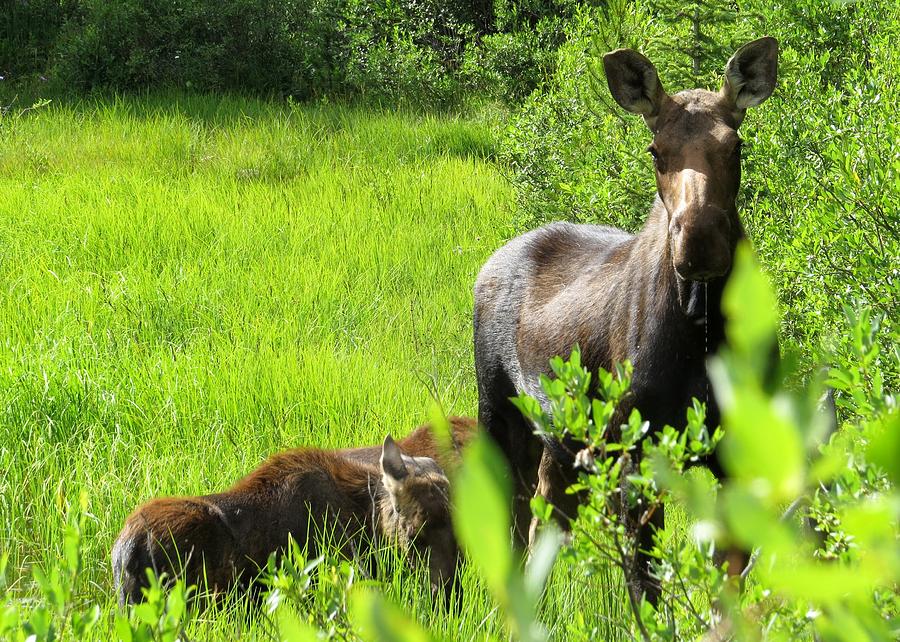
(688, 601)
(635, 609)
(797, 503)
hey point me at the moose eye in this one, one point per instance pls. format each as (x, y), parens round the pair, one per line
(657, 160)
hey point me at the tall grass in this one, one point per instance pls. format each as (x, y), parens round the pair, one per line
(190, 283)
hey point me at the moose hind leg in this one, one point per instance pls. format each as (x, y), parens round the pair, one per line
(522, 450)
(524, 456)
(737, 557)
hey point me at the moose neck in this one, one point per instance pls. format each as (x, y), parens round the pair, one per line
(691, 305)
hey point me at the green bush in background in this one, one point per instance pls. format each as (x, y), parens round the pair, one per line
(29, 30)
(421, 52)
(821, 169)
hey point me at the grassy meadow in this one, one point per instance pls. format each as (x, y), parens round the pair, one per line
(191, 280)
(191, 283)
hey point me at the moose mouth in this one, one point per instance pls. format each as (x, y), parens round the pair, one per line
(693, 300)
(698, 277)
(688, 271)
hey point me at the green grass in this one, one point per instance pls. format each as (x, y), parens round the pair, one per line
(190, 283)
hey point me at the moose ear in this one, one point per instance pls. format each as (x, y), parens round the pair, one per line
(751, 73)
(634, 83)
(392, 466)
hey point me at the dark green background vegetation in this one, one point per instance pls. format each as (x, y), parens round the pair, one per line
(422, 51)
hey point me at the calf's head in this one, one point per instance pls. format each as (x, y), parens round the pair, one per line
(419, 516)
(696, 149)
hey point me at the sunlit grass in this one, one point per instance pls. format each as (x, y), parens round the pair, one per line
(191, 283)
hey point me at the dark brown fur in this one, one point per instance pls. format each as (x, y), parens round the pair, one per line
(653, 298)
(224, 539)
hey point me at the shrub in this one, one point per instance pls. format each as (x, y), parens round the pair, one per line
(509, 66)
(30, 29)
(257, 45)
(305, 48)
(772, 448)
(407, 53)
(571, 156)
(414, 51)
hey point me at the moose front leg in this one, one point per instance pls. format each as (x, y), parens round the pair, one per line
(554, 479)
(641, 526)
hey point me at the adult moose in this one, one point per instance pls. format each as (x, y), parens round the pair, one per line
(653, 298)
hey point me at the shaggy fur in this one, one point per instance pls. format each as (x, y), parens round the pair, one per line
(355, 495)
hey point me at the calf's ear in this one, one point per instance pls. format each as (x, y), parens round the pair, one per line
(392, 466)
(634, 83)
(750, 74)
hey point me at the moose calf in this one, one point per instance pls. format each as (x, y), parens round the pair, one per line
(356, 494)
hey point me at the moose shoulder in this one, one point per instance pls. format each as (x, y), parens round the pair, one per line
(355, 495)
(653, 298)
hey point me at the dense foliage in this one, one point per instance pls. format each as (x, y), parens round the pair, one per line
(424, 52)
(831, 576)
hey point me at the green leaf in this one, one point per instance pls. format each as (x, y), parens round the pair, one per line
(82, 622)
(873, 527)
(482, 516)
(176, 602)
(291, 629)
(884, 449)
(541, 508)
(40, 622)
(72, 548)
(123, 628)
(762, 448)
(440, 428)
(752, 524)
(822, 583)
(40, 578)
(4, 563)
(531, 409)
(9, 618)
(374, 618)
(862, 623)
(146, 613)
(541, 559)
(751, 308)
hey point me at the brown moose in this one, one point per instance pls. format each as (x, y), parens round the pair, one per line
(653, 298)
(396, 492)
